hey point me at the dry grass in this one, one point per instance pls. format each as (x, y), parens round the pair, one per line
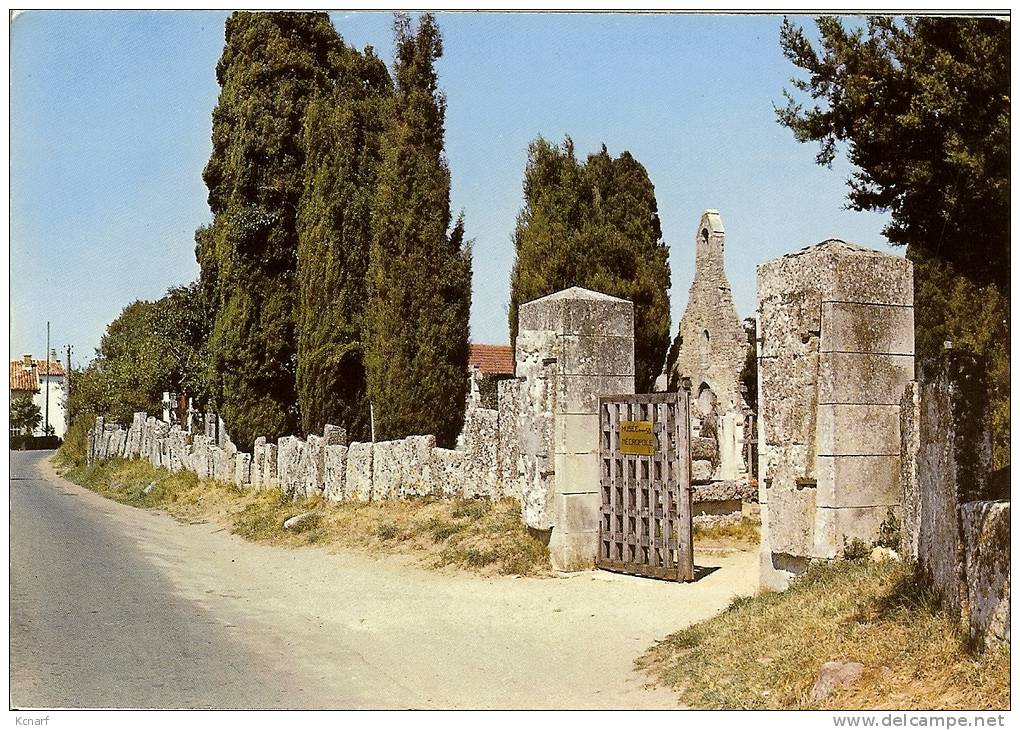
(481, 535)
(741, 535)
(765, 651)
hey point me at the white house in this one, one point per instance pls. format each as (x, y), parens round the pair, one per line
(42, 380)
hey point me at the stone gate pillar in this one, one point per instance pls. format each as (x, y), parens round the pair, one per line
(572, 347)
(835, 351)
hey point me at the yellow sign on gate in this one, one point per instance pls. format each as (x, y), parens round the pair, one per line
(636, 438)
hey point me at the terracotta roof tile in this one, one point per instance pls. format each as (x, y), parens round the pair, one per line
(28, 380)
(492, 359)
(22, 379)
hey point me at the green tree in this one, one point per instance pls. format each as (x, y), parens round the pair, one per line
(180, 330)
(272, 65)
(25, 415)
(922, 108)
(594, 225)
(342, 151)
(420, 269)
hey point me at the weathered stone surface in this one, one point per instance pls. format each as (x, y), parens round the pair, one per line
(724, 491)
(289, 466)
(867, 328)
(335, 469)
(711, 344)
(298, 522)
(223, 464)
(480, 443)
(311, 468)
(835, 336)
(242, 469)
(258, 457)
(858, 481)
(270, 466)
(986, 537)
(510, 466)
(834, 675)
(358, 478)
(910, 444)
(701, 470)
(417, 478)
(448, 470)
(387, 469)
(863, 378)
(334, 435)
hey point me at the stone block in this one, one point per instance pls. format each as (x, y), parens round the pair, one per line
(701, 470)
(986, 537)
(223, 464)
(388, 459)
(791, 521)
(448, 470)
(867, 328)
(289, 466)
(359, 471)
(418, 479)
(334, 435)
(242, 469)
(335, 472)
(580, 393)
(910, 445)
(836, 527)
(312, 468)
(577, 473)
(573, 551)
(577, 433)
(858, 481)
(606, 317)
(863, 378)
(858, 429)
(578, 512)
(270, 466)
(589, 355)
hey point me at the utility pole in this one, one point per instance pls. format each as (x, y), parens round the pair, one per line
(67, 374)
(46, 428)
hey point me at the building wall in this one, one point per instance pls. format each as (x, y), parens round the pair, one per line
(58, 403)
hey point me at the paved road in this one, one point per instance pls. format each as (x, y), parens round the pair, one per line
(113, 606)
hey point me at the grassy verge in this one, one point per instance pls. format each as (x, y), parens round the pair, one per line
(741, 535)
(765, 651)
(482, 535)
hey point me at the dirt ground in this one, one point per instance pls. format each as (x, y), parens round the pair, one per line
(379, 632)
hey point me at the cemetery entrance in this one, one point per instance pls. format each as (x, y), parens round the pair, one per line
(644, 459)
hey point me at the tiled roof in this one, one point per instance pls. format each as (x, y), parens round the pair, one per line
(56, 368)
(22, 379)
(492, 359)
(28, 380)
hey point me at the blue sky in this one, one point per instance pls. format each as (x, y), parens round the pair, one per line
(111, 119)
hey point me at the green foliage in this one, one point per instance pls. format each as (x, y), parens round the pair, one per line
(889, 531)
(341, 141)
(272, 65)
(856, 549)
(923, 108)
(595, 225)
(419, 273)
(151, 347)
(25, 415)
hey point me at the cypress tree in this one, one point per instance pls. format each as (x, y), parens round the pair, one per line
(420, 270)
(341, 141)
(272, 65)
(596, 225)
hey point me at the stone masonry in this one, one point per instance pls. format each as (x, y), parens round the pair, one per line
(572, 347)
(835, 351)
(711, 341)
(711, 348)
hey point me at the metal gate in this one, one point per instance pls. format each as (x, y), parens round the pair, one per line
(645, 462)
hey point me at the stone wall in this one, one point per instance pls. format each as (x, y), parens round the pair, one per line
(835, 350)
(955, 520)
(325, 465)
